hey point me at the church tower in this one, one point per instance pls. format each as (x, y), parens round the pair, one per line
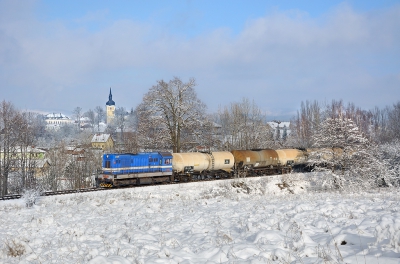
(110, 109)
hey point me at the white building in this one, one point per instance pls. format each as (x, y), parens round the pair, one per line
(55, 121)
(283, 126)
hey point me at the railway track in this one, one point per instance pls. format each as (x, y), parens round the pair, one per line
(11, 197)
(51, 193)
(95, 189)
(84, 190)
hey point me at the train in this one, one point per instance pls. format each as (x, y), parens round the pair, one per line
(165, 167)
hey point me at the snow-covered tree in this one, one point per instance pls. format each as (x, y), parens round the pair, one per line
(170, 111)
(305, 124)
(10, 132)
(100, 115)
(394, 121)
(344, 150)
(58, 159)
(91, 115)
(77, 112)
(388, 155)
(79, 170)
(244, 126)
(120, 121)
(285, 133)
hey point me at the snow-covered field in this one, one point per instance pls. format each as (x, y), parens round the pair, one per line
(257, 220)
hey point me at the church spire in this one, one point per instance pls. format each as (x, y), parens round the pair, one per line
(110, 100)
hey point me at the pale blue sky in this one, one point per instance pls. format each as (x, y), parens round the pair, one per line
(56, 55)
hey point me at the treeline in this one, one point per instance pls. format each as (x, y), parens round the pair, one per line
(358, 148)
(172, 118)
(378, 125)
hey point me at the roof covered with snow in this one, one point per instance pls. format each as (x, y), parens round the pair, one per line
(101, 138)
(56, 116)
(281, 124)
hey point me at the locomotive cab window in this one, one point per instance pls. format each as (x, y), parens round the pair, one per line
(227, 161)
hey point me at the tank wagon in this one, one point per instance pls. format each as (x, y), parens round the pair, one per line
(256, 162)
(135, 169)
(267, 161)
(200, 166)
(292, 159)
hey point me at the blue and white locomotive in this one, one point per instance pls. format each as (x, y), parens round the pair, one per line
(135, 169)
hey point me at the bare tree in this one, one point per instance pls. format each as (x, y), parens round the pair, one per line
(26, 160)
(78, 116)
(170, 111)
(10, 119)
(51, 180)
(131, 142)
(285, 133)
(209, 135)
(244, 126)
(394, 121)
(91, 115)
(379, 125)
(151, 132)
(305, 123)
(79, 171)
(120, 122)
(100, 115)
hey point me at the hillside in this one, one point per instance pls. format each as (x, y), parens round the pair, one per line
(259, 220)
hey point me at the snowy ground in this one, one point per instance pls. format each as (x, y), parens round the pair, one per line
(253, 221)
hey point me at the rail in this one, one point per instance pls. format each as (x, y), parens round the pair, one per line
(51, 193)
(10, 197)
